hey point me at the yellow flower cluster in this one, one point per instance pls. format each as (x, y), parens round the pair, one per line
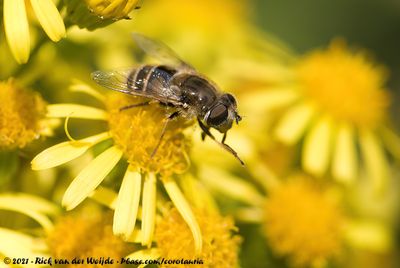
(319, 188)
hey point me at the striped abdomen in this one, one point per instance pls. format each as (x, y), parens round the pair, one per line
(149, 79)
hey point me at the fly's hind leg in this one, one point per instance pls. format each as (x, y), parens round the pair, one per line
(169, 118)
(134, 105)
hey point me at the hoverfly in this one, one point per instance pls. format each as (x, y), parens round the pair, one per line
(175, 83)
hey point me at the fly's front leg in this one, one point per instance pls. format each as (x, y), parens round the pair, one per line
(206, 131)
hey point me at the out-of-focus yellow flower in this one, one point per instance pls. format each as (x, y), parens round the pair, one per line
(76, 236)
(82, 237)
(20, 243)
(298, 212)
(335, 101)
(22, 116)
(135, 133)
(17, 27)
(303, 221)
(174, 241)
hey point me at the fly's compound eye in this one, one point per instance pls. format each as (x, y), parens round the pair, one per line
(218, 115)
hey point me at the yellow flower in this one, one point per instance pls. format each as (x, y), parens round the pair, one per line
(92, 14)
(303, 221)
(22, 116)
(174, 241)
(82, 237)
(334, 102)
(115, 9)
(77, 236)
(135, 133)
(299, 212)
(17, 28)
(20, 243)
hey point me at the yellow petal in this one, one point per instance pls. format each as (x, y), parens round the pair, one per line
(50, 19)
(19, 244)
(184, 209)
(344, 166)
(230, 185)
(75, 111)
(250, 215)
(293, 124)
(65, 151)
(32, 207)
(79, 86)
(197, 193)
(28, 202)
(392, 141)
(105, 196)
(127, 204)
(90, 177)
(149, 209)
(136, 237)
(317, 147)
(17, 29)
(375, 160)
(369, 235)
(269, 99)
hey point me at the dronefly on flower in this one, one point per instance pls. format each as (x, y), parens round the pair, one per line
(22, 116)
(335, 103)
(135, 133)
(17, 28)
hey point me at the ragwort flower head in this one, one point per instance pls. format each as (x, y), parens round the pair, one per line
(81, 237)
(302, 223)
(221, 244)
(135, 133)
(17, 27)
(335, 103)
(22, 116)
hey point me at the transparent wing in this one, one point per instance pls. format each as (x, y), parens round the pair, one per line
(160, 51)
(122, 80)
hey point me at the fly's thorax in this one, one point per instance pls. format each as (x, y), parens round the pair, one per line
(198, 93)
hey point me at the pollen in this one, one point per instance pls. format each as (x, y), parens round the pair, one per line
(346, 84)
(21, 111)
(78, 237)
(220, 243)
(137, 131)
(303, 224)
